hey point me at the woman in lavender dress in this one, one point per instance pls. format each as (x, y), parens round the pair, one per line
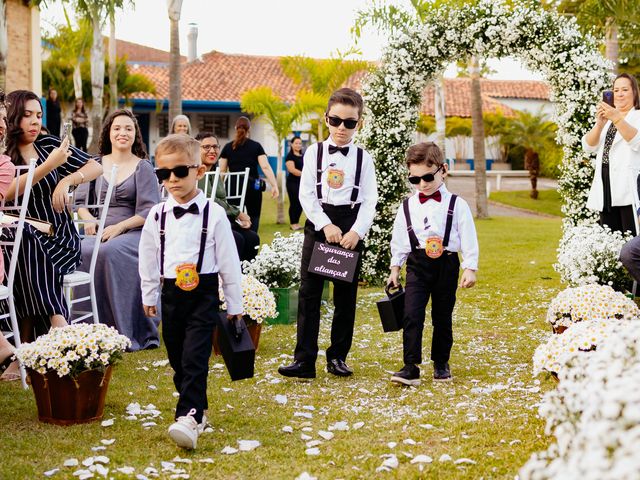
(135, 191)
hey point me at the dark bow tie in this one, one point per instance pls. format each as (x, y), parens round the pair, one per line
(179, 211)
(334, 148)
(434, 196)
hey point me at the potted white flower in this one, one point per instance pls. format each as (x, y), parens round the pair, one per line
(277, 265)
(70, 368)
(258, 303)
(589, 302)
(591, 254)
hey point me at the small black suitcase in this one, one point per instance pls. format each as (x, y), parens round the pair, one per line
(237, 349)
(391, 309)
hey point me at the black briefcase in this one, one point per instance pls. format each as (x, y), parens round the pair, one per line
(391, 309)
(237, 349)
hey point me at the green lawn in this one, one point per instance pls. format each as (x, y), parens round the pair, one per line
(548, 201)
(487, 414)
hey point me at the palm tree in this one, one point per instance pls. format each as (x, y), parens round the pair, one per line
(479, 157)
(320, 78)
(606, 17)
(175, 88)
(261, 101)
(535, 134)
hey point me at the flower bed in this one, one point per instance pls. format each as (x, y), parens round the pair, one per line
(594, 414)
(590, 302)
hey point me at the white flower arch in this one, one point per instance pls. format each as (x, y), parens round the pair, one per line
(543, 40)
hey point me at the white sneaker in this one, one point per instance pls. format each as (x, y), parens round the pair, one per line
(185, 431)
(203, 424)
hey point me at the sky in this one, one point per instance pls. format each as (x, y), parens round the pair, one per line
(260, 27)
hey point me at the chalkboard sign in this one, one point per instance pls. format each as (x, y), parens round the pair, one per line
(333, 262)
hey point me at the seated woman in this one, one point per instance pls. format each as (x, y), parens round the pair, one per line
(134, 193)
(246, 239)
(43, 259)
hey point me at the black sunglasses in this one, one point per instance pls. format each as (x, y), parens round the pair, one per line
(348, 123)
(427, 177)
(180, 171)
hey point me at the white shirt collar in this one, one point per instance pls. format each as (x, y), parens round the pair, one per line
(200, 199)
(331, 142)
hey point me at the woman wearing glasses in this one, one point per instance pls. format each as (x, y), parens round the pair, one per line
(242, 153)
(134, 193)
(246, 239)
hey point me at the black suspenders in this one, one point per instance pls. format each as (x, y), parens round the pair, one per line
(356, 183)
(413, 239)
(203, 237)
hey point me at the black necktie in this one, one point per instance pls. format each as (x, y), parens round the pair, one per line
(179, 211)
(334, 148)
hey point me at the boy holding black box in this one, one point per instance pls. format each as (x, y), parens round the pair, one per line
(430, 228)
(338, 193)
(186, 242)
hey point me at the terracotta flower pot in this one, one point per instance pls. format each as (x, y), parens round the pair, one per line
(254, 329)
(68, 401)
(558, 329)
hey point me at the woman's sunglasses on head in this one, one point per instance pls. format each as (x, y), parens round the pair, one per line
(180, 171)
(427, 177)
(337, 121)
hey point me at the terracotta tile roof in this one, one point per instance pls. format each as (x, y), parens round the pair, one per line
(458, 95)
(225, 77)
(140, 53)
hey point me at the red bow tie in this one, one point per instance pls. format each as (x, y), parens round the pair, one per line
(434, 196)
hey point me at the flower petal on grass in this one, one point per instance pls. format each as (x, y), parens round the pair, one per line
(358, 425)
(445, 457)
(108, 442)
(229, 450)
(287, 429)
(126, 470)
(422, 459)
(71, 462)
(341, 426)
(305, 476)
(460, 461)
(52, 472)
(107, 423)
(312, 451)
(389, 463)
(281, 399)
(326, 435)
(248, 445)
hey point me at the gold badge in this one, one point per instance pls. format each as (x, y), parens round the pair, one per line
(433, 247)
(335, 178)
(187, 276)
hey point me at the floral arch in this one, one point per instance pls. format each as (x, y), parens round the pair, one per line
(544, 41)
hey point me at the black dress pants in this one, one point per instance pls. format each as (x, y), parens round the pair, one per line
(247, 241)
(438, 279)
(310, 294)
(619, 219)
(253, 204)
(293, 190)
(188, 319)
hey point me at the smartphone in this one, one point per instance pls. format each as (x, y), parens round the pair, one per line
(607, 97)
(66, 130)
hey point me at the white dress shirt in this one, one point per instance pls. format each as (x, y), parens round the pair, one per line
(430, 218)
(182, 245)
(367, 194)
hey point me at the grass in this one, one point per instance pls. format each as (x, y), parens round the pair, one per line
(548, 201)
(487, 414)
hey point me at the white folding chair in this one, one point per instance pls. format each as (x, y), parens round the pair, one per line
(210, 191)
(19, 209)
(100, 209)
(235, 184)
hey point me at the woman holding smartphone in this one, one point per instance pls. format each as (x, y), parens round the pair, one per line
(615, 138)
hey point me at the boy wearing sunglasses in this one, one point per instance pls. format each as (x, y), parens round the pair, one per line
(430, 228)
(338, 193)
(186, 243)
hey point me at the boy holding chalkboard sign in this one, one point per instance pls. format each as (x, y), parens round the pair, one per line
(430, 228)
(338, 193)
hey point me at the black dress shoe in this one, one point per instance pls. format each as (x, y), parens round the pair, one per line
(339, 368)
(298, 370)
(441, 372)
(409, 375)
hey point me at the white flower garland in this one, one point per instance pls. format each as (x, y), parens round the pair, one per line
(544, 41)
